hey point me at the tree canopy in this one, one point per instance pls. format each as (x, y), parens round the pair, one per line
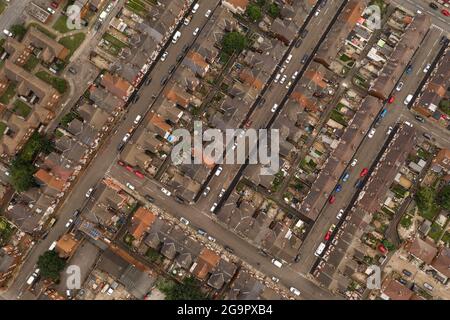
(233, 42)
(51, 265)
(443, 197)
(254, 12)
(189, 289)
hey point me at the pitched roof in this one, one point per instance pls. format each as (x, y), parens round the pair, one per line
(141, 221)
(396, 291)
(442, 262)
(423, 250)
(49, 180)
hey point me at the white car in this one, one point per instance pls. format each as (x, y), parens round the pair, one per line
(317, 12)
(222, 192)
(277, 263)
(283, 79)
(427, 67)
(399, 86)
(138, 118)
(218, 171)
(7, 32)
(51, 11)
(176, 36)
(340, 213)
(277, 77)
(275, 279)
(207, 189)
(195, 31)
(294, 75)
(214, 206)
(89, 192)
(288, 59)
(294, 291)
(389, 130)
(408, 99)
(354, 162)
(52, 246)
(288, 85)
(130, 186)
(126, 137)
(274, 108)
(212, 239)
(372, 133)
(207, 13)
(33, 277)
(166, 192)
(184, 221)
(164, 56)
(69, 223)
(195, 8)
(186, 21)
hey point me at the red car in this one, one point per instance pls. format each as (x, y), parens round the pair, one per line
(54, 4)
(129, 168)
(391, 99)
(332, 199)
(139, 174)
(364, 172)
(120, 163)
(382, 249)
(327, 236)
(445, 12)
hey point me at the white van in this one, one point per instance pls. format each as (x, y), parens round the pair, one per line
(277, 263)
(176, 36)
(195, 8)
(319, 249)
(52, 246)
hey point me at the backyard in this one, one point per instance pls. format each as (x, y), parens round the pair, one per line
(58, 83)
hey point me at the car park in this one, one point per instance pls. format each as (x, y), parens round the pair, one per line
(294, 291)
(164, 56)
(166, 192)
(218, 171)
(195, 31)
(372, 133)
(214, 206)
(277, 263)
(184, 221)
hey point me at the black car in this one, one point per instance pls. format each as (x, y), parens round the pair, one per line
(120, 146)
(230, 250)
(427, 135)
(420, 119)
(72, 70)
(179, 57)
(185, 48)
(163, 81)
(148, 80)
(403, 281)
(136, 98)
(304, 34)
(76, 213)
(443, 40)
(149, 198)
(179, 200)
(298, 43)
(171, 69)
(323, 3)
(407, 273)
(433, 6)
(305, 58)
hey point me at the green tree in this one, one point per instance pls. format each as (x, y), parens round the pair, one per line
(443, 197)
(233, 42)
(425, 198)
(22, 175)
(189, 289)
(51, 265)
(444, 105)
(18, 30)
(273, 10)
(254, 12)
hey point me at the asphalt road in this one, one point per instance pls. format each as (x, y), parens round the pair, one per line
(108, 152)
(370, 148)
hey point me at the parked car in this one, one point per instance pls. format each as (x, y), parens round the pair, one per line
(202, 232)
(208, 13)
(427, 136)
(420, 119)
(69, 223)
(130, 186)
(8, 33)
(364, 172)
(275, 279)
(149, 198)
(89, 192)
(139, 174)
(331, 199)
(126, 137)
(294, 291)
(433, 6)
(176, 36)
(304, 33)
(184, 221)
(274, 108)
(166, 192)
(445, 12)
(53, 245)
(138, 119)
(206, 191)
(214, 206)
(371, 133)
(72, 70)
(427, 68)
(283, 79)
(195, 8)
(229, 249)
(407, 273)
(277, 263)
(304, 59)
(76, 213)
(345, 176)
(288, 59)
(218, 171)
(354, 162)
(391, 99)
(409, 69)
(212, 239)
(148, 80)
(399, 86)
(277, 77)
(389, 130)
(195, 31)
(428, 286)
(222, 192)
(294, 75)
(164, 56)
(186, 21)
(339, 215)
(338, 188)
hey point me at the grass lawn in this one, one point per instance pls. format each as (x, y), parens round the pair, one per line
(6, 231)
(136, 6)
(60, 25)
(2, 128)
(42, 29)
(8, 94)
(32, 62)
(114, 41)
(2, 6)
(21, 108)
(72, 42)
(446, 238)
(59, 84)
(336, 116)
